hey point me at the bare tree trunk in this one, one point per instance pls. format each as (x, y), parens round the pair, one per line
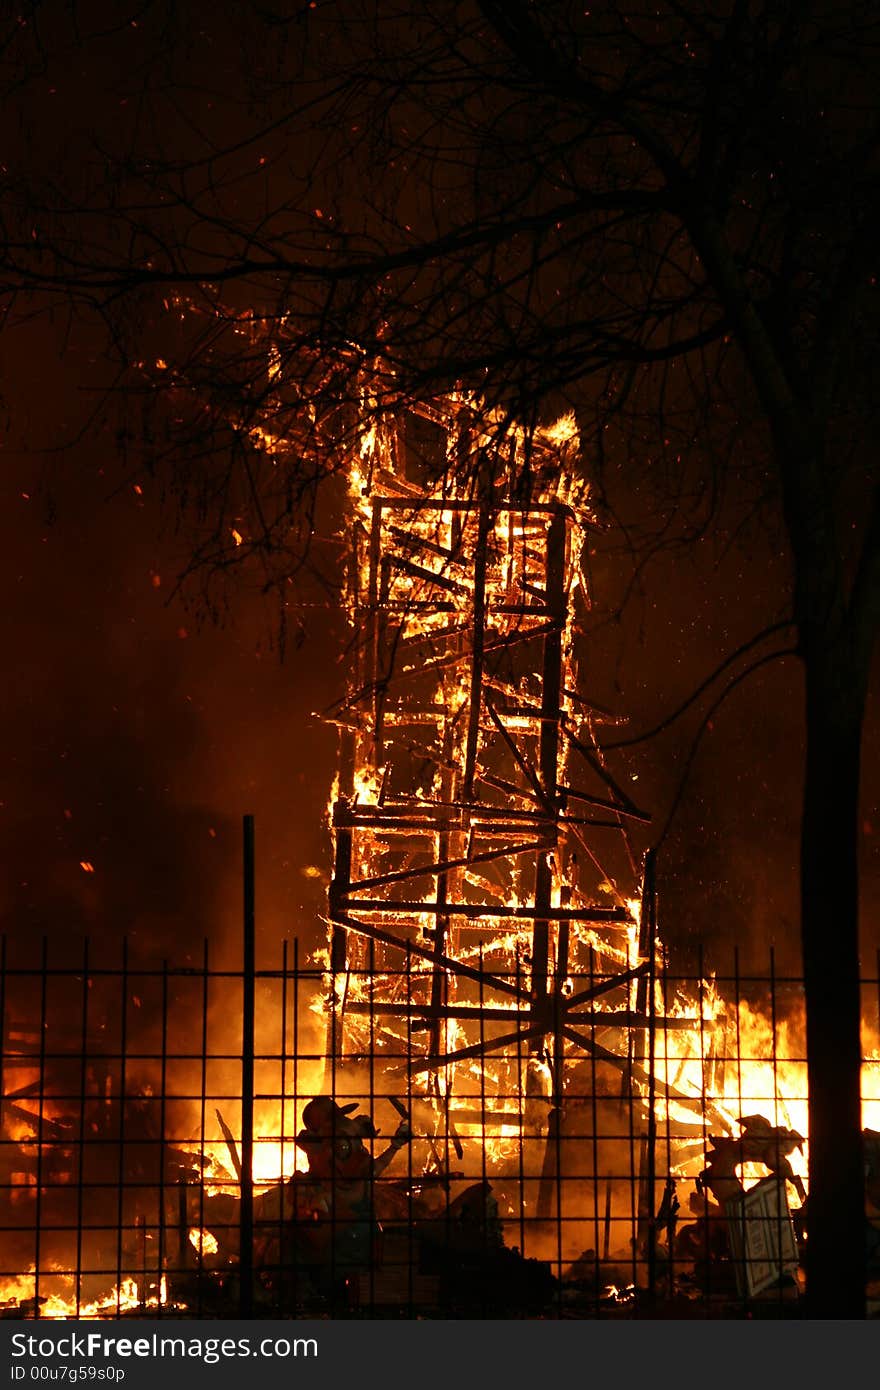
(830, 939)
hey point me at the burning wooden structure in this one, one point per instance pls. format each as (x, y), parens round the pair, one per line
(474, 817)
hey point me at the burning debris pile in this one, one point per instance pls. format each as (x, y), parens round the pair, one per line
(83, 1169)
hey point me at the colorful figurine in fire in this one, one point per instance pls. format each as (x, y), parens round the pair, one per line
(337, 1198)
(316, 1230)
(333, 1142)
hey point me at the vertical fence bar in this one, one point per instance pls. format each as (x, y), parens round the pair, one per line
(600, 1247)
(282, 1223)
(706, 1217)
(123, 1048)
(646, 1002)
(40, 1129)
(634, 1174)
(6, 1186)
(739, 1075)
(203, 1102)
(484, 1201)
(777, 1253)
(409, 1110)
(408, 968)
(246, 1232)
(651, 1157)
(295, 1236)
(333, 1061)
(371, 1076)
(162, 1256)
(83, 1075)
(671, 1203)
(524, 1129)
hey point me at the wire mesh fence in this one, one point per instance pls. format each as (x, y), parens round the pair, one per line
(203, 1142)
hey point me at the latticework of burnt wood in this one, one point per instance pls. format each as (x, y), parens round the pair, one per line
(473, 814)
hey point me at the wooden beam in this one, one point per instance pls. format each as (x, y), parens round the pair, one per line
(458, 967)
(480, 1049)
(501, 911)
(443, 866)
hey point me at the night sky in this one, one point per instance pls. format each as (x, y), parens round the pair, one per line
(135, 733)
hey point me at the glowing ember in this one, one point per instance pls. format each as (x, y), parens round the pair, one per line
(203, 1242)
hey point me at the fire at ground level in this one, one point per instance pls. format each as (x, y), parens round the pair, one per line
(126, 1152)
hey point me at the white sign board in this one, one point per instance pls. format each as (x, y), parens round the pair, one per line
(762, 1236)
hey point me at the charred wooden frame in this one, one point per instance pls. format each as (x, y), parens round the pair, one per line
(464, 738)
